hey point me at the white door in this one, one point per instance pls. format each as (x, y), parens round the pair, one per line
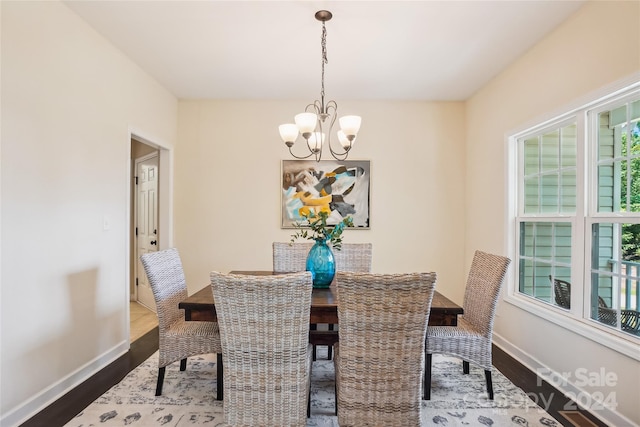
(146, 222)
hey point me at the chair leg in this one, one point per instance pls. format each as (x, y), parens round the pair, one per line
(313, 327)
(219, 377)
(160, 381)
(335, 391)
(330, 349)
(309, 403)
(487, 374)
(183, 364)
(465, 367)
(426, 389)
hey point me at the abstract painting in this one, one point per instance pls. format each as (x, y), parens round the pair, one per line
(340, 188)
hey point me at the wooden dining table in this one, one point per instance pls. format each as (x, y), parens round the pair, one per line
(324, 309)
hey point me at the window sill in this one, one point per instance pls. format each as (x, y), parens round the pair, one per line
(615, 340)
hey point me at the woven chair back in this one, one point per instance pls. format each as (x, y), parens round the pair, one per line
(380, 357)
(354, 257)
(168, 284)
(482, 290)
(264, 327)
(290, 257)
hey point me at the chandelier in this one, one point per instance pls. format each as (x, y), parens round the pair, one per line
(316, 123)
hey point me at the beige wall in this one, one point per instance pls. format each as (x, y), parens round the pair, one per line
(596, 47)
(227, 186)
(69, 102)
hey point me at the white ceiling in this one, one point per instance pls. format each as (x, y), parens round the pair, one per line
(422, 50)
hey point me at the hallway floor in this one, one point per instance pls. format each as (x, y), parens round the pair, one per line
(142, 320)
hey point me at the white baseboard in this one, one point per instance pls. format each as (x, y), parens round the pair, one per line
(31, 407)
(604, 412)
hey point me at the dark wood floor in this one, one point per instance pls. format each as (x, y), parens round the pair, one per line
(543, 393)
(68, 406)
(71, 404)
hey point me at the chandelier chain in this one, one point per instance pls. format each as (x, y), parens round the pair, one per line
(324, 59)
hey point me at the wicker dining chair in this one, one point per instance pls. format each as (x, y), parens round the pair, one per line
(178, 339)
(264, 326)
(379, 358)
(471, 339)
(353, 257)
(290, 257)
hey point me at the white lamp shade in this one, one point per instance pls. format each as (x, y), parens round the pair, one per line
(288, 132)
(350, 125)
(344, 141)
(315, 140)
(306, 122)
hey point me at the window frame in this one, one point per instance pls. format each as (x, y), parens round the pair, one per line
(577, 318)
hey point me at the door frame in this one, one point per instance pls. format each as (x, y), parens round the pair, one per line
(165, 206)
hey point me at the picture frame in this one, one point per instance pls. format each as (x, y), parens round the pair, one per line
(342, 188)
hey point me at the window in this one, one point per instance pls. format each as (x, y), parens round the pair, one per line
(578, 214)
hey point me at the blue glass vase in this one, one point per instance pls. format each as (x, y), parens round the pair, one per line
(321, 264)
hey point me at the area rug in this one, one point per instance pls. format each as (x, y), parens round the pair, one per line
(188, 398)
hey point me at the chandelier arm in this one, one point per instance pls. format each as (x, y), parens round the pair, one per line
(332, 110)
(316, 107)
(320, 131)
(345, 153)
(339, 156)
(301, 157)
(317, 152)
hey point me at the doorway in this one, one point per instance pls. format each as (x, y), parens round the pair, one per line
(145, 233)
